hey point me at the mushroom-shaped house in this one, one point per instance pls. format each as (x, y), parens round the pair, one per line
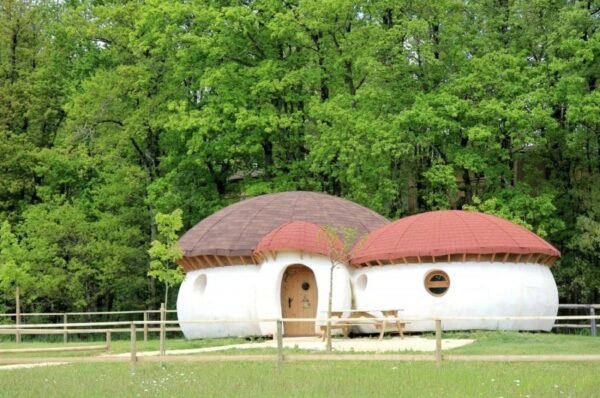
(457, 264)
(250, 261)
(270, 256)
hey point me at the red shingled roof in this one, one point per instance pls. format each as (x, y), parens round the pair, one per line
(298, 235)
(441, 233)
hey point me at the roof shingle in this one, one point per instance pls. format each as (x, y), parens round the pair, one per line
(447, 232)
(237, 229)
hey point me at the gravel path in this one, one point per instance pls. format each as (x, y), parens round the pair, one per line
(412, 343)
(395, 344)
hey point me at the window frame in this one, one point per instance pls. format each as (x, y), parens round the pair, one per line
(429, 284)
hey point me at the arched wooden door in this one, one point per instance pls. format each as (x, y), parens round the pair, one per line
(298, 300)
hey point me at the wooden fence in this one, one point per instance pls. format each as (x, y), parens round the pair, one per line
(590, 308)
(161, 325)
(64, 317)
(145, 315)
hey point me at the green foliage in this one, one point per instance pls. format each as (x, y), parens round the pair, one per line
(113, 112)
(165, 251)
(338, 240)
(518, 204)
(442, 186)
(15, 271)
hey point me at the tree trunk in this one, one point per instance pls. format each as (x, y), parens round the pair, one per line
(329, 306)
(324, 88)
(166, 295)
(348, 77)
(14, 40)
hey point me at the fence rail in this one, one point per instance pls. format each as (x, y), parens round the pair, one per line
(22, 329)
(591, 309)
(162, 326)
(64, 317)
(13, 314)
(108, 328)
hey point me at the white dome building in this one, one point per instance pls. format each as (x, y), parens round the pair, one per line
(268, 257)
(226, 280)
(457, 264)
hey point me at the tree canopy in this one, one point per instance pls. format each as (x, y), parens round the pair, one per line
(112, 112)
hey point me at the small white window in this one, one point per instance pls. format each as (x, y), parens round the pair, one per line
(361, 282)
(200, 284)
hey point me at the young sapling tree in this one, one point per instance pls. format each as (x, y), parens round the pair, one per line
(338, 241)
(165, 251)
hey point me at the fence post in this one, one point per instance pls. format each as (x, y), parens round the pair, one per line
(593, 321)
(438, 342)
(65, 334)
(145, 325)
(162, 329)
(279, 345)
(108, 341)
(133, 348)
(17, 315)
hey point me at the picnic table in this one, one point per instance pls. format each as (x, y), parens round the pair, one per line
(365, 317)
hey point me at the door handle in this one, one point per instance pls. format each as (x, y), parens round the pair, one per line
(290, 302)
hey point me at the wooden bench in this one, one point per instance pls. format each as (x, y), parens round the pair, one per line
(364, 317)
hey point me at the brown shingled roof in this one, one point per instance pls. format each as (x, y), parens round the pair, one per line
(237, 229)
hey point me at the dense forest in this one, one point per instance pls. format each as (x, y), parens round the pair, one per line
(112, 112)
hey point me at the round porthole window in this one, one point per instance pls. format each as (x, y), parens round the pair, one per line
(305, 286)
(361, 282)
(200, 284)
(437, 283)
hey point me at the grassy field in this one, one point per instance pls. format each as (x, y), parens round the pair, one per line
(117, 346)
(486, 342)
(496, 342)
(321, 379)
(124, 345)
(306, 379)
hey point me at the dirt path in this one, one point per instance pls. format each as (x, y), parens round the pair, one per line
(395, 344)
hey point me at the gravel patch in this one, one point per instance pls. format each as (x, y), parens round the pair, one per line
(395, 344)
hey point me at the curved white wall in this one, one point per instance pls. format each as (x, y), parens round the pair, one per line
(268, 294)
(218, 293)
(476, 289)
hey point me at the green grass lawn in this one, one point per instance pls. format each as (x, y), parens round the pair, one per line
(324, 378)
(486, 342)
(306, 379)
(498, 342)
(117, 346)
